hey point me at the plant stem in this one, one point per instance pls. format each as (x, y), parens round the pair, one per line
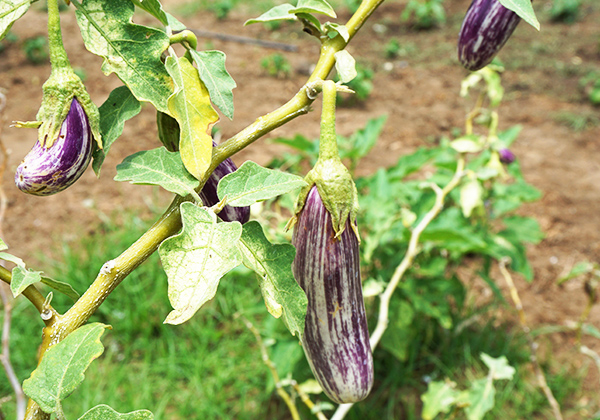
(539, 373)
(58, 55)
(411, 253)
(328, 148)
(113, 272)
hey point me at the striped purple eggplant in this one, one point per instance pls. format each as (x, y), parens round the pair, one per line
(46, 171)
(168, 133)
(485, 29)
(336, 337)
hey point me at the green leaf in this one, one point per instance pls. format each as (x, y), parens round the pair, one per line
(523, 229)
(314, 6)
(175, 24)
(337, 29)
(398, 337)
(62, 368)
(157, 167)
(252, 183)
(272, 263)
(524, 9)
(197, 258)
(9, 257)
(3, 245)
(582, 267)
(471, 197)
(499, 367)
(62, 287)
(10, 12)
(154, 8)
(467, 144)
(22, 278)
(120, 106)
(281, 12)
(131, 51)
(220, 84)
(190, 106)
(104, 412)
(439, 398)
(481, 398)
(345, 65)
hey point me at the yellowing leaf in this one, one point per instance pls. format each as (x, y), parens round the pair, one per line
(190, 106)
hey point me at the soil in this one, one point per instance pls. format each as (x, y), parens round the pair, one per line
(418, 92)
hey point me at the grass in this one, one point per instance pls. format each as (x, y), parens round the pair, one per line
(210, 367)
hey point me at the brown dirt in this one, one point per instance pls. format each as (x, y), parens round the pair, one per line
(420, 96)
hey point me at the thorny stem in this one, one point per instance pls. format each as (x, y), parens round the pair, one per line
(514, 294)
(411, 253)
(113, 272)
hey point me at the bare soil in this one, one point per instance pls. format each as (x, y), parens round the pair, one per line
(419, 93)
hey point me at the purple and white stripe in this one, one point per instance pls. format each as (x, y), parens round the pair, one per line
(46, 171)
(336, 336)
(485, 29)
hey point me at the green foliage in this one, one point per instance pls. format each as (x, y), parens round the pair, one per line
(424, 14)
(36, 50)
(10, 11)
(524, 9)
(276, 65)
(565, 11)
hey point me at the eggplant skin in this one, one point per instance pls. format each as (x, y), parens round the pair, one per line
(210, 198)
(336, 336)
(485, 29)
(47, 171)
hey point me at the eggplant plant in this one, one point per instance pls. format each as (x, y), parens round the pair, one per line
(313, 285)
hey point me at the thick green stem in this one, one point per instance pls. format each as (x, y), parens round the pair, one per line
(58, 55)
(328, 148)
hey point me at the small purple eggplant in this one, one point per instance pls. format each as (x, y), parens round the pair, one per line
(506, 156)
(336, 336)
(485, 29)
(209, 194)
(46, 171)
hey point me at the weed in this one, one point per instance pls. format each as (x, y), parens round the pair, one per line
(36, 50)
(276, 65)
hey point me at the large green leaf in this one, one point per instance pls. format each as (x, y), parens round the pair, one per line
(10, 11)
(104, 412)
(252, 183)
(120, 106)
(197, 258)
(62, 368)
(157, 167)
(220, 84)
(272, 263)
(154, 8)
(524, 9)
(131, 51)
(190, 106)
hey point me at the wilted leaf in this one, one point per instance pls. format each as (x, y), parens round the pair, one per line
(220, 84)
(190, 106)
(272, 263)
(252, 183)
(62, 368)
(197, 258)
(104, 412)
(467, 144)
(157, 167)
(471, 197)
(120, 106)
(131, 51)
(345, 65)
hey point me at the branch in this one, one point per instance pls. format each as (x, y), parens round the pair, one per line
(411, 253)
(514, 294)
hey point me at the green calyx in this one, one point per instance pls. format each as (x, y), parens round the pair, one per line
(59, 90)
(332, 179)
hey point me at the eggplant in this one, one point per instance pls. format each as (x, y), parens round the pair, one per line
(168, 133)
(485, 29)
(49, 170)
(506, 156)
(336, 336)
